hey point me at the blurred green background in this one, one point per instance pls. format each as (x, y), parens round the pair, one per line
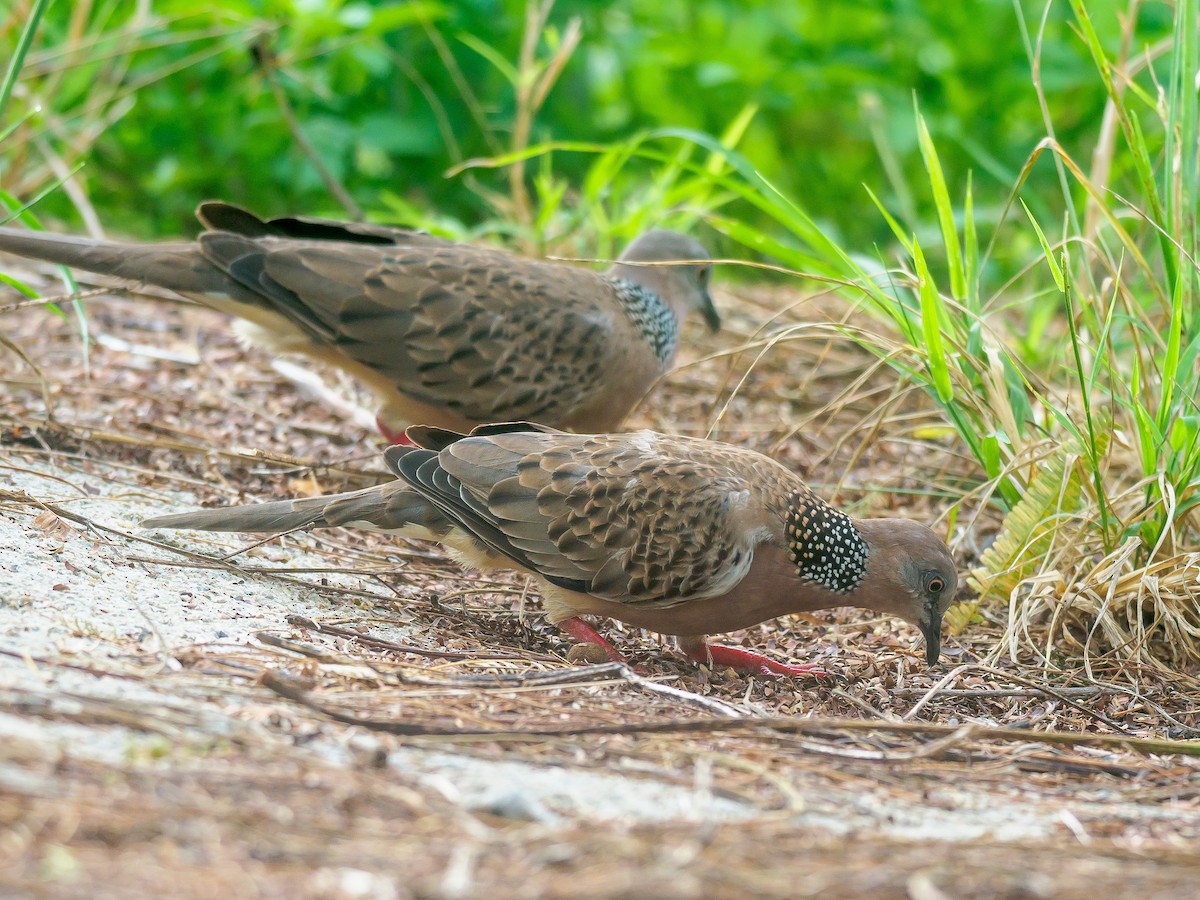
(166, 103)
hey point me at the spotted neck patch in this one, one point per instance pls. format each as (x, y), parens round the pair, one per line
(824, 544)
(651, 316)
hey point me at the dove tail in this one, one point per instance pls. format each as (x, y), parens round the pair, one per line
(280, 515)
(177, 266)
(387, 507)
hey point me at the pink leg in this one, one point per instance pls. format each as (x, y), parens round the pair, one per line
(586, 634)
(392, 437)
(743, 660)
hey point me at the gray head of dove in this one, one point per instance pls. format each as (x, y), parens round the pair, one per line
(681, 279)
(909, 573)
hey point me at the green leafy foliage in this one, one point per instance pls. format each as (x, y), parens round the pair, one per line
(962, 616)
(393, 94)
(1051, 498)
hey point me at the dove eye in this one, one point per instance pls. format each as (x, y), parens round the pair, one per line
(935, 585)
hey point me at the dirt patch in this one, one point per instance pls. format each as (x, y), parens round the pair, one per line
(145, 752)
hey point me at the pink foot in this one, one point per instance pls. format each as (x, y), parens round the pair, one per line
(392, 437)
(746, 660)
(586, 634)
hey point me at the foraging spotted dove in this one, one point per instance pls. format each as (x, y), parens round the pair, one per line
(442, 333)
(682, 536)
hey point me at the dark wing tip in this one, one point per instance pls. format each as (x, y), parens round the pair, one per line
(512, 428)
(431, 437)
(217, 215)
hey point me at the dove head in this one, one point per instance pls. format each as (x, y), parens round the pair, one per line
(682, 279)
(909, 573)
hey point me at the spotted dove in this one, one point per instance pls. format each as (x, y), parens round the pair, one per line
(678, 535)
(442, 333)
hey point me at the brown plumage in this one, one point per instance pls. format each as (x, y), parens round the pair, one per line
(442, 333)
(678, 535)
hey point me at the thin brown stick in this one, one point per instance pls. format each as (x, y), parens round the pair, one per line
(988, 670)
(335, 187)
(381, 644)
(990, 693)
(288, 687)
(60, 664)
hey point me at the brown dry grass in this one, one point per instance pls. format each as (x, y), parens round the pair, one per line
(250, 817)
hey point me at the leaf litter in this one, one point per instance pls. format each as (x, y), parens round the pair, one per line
(343, 714)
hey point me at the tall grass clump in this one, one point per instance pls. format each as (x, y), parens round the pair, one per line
(1072, 384)
(1088, 434)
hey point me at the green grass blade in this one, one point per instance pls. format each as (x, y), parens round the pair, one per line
(935, 347)
(19, 286)
(1055, 270)
(945, 211)
(970, 249)
(18, 58)
(1170, 364)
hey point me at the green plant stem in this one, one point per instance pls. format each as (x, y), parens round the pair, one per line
(335, 187)
(22, 49)
(1092, 446)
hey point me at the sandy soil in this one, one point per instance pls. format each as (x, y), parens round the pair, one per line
(144, 751)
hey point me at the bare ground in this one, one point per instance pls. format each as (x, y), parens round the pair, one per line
(181, 721)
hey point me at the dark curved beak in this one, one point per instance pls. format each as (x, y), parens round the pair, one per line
(708, 309)
(933, 640)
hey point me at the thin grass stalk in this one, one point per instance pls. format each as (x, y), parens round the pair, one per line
(1134, 137)
(1182, 126)
(536, 14)
(1093, 448)
(1033, 53)
(1175, 416)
